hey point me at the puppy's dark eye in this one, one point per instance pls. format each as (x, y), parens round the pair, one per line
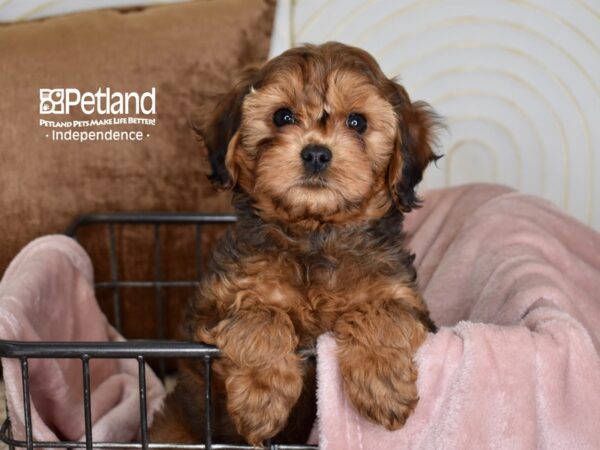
(357, 122)
(283, 117)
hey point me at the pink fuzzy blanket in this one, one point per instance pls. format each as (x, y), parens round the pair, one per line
(515, 286)
(47, 294)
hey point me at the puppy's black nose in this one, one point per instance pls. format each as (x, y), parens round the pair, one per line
(316, 158)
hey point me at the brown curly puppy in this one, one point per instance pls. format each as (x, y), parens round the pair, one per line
(323, 153)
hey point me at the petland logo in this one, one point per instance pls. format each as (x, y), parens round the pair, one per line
(103, 101)
(116, 115)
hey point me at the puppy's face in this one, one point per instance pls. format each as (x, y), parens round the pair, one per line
(319, 135)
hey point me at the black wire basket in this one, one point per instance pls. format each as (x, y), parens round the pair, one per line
(142, 351)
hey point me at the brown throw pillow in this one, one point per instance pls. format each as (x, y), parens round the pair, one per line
(186, 51)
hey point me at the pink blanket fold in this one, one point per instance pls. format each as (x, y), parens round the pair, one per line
(47, 294)
(515, 286)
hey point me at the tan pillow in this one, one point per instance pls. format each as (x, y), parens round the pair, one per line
(186, 51)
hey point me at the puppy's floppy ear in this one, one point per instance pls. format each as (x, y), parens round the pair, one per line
(217, 122)
(416, 138)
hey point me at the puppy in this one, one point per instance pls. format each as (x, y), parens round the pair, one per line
(323, 154)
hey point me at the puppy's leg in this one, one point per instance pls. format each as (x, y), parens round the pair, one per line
(263, 376)
(182, 417)
(376, 344)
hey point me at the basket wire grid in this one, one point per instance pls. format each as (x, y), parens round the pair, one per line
(138, 350)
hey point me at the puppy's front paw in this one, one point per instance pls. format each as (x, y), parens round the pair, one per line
(381, 384)
(259, 401)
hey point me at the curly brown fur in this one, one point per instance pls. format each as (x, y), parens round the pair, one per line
(310, 253)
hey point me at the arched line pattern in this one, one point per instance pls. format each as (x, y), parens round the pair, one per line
(447, 23)
(311, 20)
(414, 6)
(494, 123)
(559, 19)
(557, 46)
(589, 8)
(567, 22)
(580, 114)
(561, 127)
(456, 146)
(422, 4)
(344, 21)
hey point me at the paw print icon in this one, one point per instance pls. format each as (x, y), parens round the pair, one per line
(52, 101)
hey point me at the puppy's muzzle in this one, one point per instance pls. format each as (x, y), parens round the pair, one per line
(316, 158)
